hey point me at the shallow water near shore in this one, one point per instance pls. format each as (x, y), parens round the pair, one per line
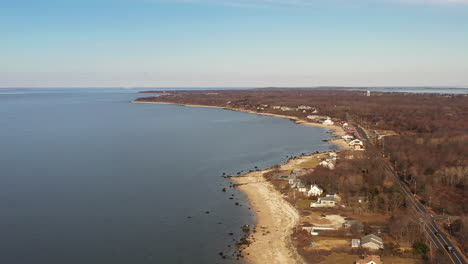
(88, 177)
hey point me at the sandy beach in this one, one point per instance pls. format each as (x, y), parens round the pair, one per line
(271, 243)
(276, 218)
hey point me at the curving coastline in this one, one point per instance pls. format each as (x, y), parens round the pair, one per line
(276, 217)
(337, 130)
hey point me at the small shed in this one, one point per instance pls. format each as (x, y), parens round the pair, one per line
(355, 243)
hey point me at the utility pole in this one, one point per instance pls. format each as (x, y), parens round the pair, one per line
(383, 145)
(448, 226)
(414, 186)
(430, 249)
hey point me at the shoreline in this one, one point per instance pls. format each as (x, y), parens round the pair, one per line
(275, 216)
(337, 130)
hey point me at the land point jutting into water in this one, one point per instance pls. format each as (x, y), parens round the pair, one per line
(393, 192)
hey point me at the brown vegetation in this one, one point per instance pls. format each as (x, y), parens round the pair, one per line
(429, 151)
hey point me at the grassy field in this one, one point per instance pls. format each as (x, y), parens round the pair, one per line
(283, 184)
(398, 260)
(313, 162)
(303, 203)
(329, 243)
(340, 258)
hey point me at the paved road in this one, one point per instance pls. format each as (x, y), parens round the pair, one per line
(438, 238)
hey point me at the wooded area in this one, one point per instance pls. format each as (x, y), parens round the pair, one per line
(429, 151)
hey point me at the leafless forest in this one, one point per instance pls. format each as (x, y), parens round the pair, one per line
(429, 150)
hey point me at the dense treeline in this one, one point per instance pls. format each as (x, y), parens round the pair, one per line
(358, 177)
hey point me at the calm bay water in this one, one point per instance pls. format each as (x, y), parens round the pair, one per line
(87, 177)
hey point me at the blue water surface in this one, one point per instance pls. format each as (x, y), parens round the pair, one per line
(88, 177)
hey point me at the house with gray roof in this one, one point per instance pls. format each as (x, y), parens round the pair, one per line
(372, 242)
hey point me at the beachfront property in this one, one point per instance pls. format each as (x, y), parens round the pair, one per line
(356, 144)
(304, 107)
(372, 242)
(285, 108)
(301, 187)
(328, 201)
(328, 122)
(328, 163)
(313, 117)
(372, 259)
(314, 191)
(293, 180)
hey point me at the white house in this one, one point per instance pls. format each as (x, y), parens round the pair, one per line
(313, 117)
(372, 259)
(357, 144)
(328, 163)
(328, 122)
(314, 191)
(347, 137)
(372, 242)
(276, 107)
(285, 108)
(304, 107)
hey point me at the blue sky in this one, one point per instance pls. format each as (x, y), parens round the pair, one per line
(233, 43)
